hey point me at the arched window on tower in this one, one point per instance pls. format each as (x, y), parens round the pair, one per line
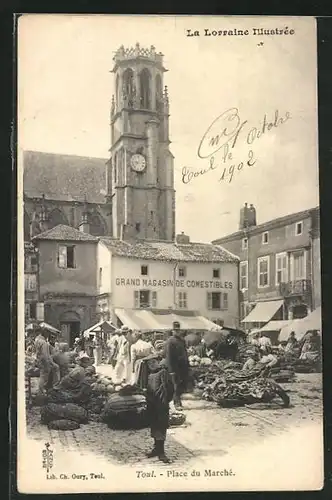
(97, 224)
(145, 81)
(159, 94)
(56, 217)
(128, 88)
(26, 227)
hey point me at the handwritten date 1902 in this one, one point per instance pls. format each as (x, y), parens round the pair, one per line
(189, 174)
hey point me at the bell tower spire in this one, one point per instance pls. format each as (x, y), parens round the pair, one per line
(141, 164)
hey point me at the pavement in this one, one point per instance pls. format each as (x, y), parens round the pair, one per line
(211, 435)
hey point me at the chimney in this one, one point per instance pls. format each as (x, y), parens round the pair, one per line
(182, 239)
(244, 217)
(252, 215)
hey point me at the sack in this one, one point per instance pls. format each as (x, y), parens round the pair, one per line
(68, 411)
(125, 412)
(63, 425)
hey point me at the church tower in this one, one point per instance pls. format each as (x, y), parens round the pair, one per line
(140, 171)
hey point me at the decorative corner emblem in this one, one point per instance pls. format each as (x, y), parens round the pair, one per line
(47, 457)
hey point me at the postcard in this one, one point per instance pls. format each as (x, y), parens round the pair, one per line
(169, 293)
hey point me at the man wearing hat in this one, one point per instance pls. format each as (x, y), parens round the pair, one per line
(177, 362)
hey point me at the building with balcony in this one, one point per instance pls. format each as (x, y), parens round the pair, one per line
(279, 275)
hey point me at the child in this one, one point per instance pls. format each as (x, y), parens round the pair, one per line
(159, 394)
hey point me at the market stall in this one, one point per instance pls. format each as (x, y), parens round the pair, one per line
(301, 326)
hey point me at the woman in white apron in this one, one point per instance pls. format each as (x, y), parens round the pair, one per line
(139, 350)
(121, 371)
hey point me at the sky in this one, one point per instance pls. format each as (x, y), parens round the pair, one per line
(65, 88)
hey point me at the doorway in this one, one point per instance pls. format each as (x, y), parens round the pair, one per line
(70, 323)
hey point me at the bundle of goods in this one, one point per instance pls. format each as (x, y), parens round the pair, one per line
(126, 409)
(228, 393)
(308, 365)
(176, 418)
(58, 412)
(63, 425)
(282, 372)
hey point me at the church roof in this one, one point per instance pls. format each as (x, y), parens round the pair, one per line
(65, 233)
(168, 251)
(64, 177)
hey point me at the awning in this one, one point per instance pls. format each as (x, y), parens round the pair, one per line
(274, 326)
(263, 311)
(149, 320)
(43, 325)
(301, 326)
(102, 325)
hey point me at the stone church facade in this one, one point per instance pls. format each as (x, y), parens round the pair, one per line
(129, 195)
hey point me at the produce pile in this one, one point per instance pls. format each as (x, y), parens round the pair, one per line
(226, 385)
(195, 360)
(227, 393)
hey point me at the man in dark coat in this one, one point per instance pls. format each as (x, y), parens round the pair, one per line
(177, 362)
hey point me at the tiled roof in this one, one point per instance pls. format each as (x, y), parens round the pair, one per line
(280, 221)
(64, 177)
(168, 251)
(64, 233)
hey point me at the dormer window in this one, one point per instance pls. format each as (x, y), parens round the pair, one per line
(299, 228)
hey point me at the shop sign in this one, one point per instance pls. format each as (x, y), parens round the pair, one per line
(145, 282)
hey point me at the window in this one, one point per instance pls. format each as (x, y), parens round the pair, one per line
(244, 275)
(263, 268)
(298, 228)
(144, 270)
(298, 266)
(182, 272)
(182, 300)
(225, 300)
(217, 301)
(30, 282)
(144, 299)
(244, 243)
(265, 238)
(281, 268)
(216, 273)
(66, 257)
(100, 276)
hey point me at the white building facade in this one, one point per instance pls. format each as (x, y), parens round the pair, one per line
(166, 276)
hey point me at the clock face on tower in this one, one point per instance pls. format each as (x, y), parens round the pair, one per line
(138, 163)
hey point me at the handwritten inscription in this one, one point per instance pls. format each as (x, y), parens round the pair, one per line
(224, 134)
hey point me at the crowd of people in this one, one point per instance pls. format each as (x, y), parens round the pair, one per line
(163, 380)
(160, 369)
